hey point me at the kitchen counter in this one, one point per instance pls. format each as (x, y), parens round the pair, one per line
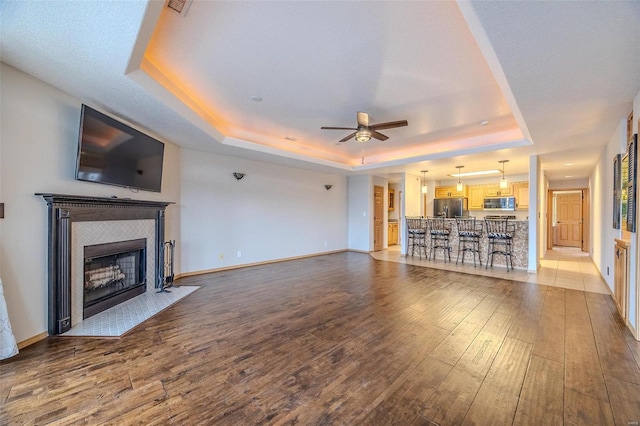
(520, 245)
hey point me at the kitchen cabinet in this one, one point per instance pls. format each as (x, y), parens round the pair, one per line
(521, 192)
(621, 277)
(392, 235)
(494, 190)
(449, 192)
(476, 197)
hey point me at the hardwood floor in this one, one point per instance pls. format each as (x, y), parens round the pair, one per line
(342, 339)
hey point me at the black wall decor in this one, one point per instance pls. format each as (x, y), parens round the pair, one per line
(617, 190)
(632, 151)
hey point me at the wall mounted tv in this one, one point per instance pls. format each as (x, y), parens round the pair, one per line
(113, 153)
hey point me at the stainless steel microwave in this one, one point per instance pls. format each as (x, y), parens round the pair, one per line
(500, 203)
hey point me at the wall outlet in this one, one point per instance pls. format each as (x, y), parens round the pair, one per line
(326, 244)
(239, 253)
(221, 256)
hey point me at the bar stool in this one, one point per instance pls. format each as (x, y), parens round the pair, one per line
(439, 232)
(469, 233)
(416, 235)
(500, 235)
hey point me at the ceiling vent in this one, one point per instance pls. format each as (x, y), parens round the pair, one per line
(179, 6)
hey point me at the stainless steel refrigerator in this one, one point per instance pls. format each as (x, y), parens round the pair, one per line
(451, 207)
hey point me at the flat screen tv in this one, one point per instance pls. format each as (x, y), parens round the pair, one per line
(113, 153)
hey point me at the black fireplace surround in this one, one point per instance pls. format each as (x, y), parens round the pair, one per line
(63, 210)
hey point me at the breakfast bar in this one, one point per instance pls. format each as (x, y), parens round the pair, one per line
(519, 245)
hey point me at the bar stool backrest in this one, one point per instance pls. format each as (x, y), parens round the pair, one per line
(467, 226)
(499, 228)
(415, 224)
(438, 225)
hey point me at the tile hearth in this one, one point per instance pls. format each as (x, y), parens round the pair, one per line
(118, 320)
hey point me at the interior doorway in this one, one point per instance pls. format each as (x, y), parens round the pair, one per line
(568, 224)
(378, 217)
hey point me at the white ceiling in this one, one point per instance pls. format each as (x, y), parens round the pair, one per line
(552, 78)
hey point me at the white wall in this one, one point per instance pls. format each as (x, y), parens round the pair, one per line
(412, 205)
(535, 251)
(274, 212)
(601, 191)
(360, 213)
(39, 134)
(568, 184)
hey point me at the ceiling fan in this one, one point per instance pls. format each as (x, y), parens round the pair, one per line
(364, 132)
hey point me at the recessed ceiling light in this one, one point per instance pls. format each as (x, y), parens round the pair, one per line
(479, 173)
(568, 176)
(289, 138)
(484, 122)
(256, 98)
(568, 164)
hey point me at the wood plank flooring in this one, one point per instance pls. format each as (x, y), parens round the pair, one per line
(342, 339)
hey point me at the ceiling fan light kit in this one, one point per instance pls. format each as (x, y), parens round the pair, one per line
(363, 136)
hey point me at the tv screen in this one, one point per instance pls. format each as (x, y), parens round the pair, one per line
(113, 153)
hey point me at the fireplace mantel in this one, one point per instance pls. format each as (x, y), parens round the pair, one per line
(84, 201)
(63, 210)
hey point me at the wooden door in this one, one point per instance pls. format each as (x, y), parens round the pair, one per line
(569, 220)
(378, 218)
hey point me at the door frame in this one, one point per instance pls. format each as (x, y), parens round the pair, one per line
(378, 245)
(586, 218)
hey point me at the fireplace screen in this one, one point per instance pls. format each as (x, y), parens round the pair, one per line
(113, 273)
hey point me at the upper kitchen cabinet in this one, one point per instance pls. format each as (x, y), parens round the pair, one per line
(476, 197)
(494, 190)
(449, 192)
(521, 191)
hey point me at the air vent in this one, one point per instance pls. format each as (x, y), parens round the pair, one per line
(179, 6)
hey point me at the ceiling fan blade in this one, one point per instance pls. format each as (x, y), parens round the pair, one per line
(378, 136)
(346, 138)
(338, 128)
(363, 119)
(389, 125)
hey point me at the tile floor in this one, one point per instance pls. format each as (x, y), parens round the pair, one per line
(118, 320)
(565, 267)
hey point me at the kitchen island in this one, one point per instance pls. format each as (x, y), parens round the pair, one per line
(520, 246)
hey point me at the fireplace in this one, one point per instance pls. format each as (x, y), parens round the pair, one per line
(113, 273)
(79, 222)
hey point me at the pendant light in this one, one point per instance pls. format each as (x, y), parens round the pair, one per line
(424, 187)
(459, 186)
(503, 181)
